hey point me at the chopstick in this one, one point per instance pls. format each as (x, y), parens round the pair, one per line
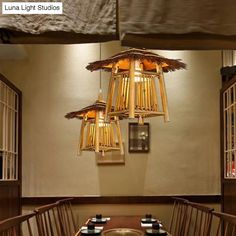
(82, 227)
(87, 221)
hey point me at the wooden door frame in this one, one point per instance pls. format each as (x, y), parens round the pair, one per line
(16, 183)
(230, 80)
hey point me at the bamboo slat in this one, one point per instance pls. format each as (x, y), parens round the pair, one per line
(87, 134)
(111, 91)
(97, 132)
(113, 144)
(132, 90)
(154, 96)
(127, 94)
(145, 93)
(124, 94)
(117, 123)
(138, 95)
(148, 94)
(108, 136)
(81, 138)
(118, 96)
(163, 93)
(141, 95)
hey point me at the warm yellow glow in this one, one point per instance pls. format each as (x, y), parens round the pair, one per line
(101, 119)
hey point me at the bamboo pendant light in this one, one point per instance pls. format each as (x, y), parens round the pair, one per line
(96, 134)
(137, 83)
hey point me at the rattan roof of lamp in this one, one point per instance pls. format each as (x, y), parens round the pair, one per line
(147, 58)
(90, 111)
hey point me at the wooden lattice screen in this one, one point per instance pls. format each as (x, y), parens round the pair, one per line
(9, 112)
(229, 106)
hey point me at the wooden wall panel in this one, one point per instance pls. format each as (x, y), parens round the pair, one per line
(9, 200)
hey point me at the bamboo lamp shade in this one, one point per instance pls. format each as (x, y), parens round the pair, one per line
(137, 86)
(96, 134)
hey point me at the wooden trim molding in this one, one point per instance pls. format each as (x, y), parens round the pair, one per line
(121, 199)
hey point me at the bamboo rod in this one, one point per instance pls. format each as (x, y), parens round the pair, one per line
(81, 138)
(132, 90)
(139, 95)
(127, 94)
(151, 95)
(112, 136)
(111, 90)
(104, 136)
(97, 132)
(91, 134)
(143, 94)
(117, 123)
(136, 95)
(163, 93)
(148, 94)
(124, 93)
(118, 96)
(107, 138)
(154, 95)
(107, 135)
(87, 134)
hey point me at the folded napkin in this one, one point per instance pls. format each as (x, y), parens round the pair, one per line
(96, 227)
(146, 224)
(149, 225)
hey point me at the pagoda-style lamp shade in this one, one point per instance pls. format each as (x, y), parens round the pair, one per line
(137, 86)
(96, 134)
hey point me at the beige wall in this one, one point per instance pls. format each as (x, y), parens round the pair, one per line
(184, 156)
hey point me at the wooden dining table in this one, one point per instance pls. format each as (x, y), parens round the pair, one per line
(129, 222)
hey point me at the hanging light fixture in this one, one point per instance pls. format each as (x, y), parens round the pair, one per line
(97, 134)
(133, 87)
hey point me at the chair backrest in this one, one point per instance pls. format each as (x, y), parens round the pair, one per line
(67, 217)
(48, 220)
(178, 217)
(14, 226)
(226, 224)
(198, 220)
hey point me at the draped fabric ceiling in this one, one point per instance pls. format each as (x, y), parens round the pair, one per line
(175, 24)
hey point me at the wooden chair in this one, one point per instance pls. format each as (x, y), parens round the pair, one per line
(66, 216)
(226, 224)
(48, 220)
(198, 220)
(178, 217)
(18, 225)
